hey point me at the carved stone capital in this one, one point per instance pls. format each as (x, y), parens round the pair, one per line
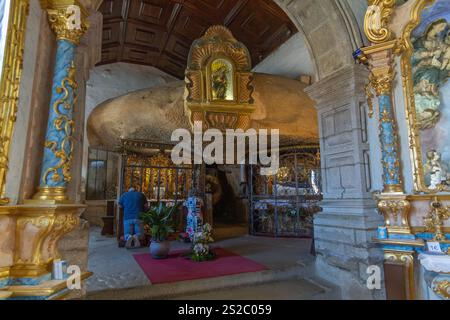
(68, 23)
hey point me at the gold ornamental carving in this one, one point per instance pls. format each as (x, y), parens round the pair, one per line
(406, 258)
(219, 81)
(38, 230)
(442, 288)
(377, 20)
(395, 210)
(63, 123)
(434, 220)
(68, 23)
(381, 64)
(381, 80)
(10, 83)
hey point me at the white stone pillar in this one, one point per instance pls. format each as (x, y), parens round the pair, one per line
(344, 229)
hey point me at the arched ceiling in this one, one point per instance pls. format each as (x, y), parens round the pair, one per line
(159, 33)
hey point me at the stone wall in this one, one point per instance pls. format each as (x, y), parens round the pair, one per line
(330, 30)
(96, 209)
(291, 60)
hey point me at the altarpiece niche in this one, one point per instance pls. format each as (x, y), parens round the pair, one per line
(219, 81)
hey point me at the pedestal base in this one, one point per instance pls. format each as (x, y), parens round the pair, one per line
(47, 290)
(343, 234)
(29, 235)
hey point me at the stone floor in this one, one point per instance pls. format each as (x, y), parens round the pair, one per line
(296, 289)
(117, 275)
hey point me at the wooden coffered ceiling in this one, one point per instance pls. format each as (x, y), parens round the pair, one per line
(159, 33)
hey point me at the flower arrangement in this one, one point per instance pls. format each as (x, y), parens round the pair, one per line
(201, 250)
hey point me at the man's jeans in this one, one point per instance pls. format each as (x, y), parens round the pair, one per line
(127, 228)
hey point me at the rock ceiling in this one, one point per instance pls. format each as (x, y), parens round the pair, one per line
(153, 114)
(159, 33)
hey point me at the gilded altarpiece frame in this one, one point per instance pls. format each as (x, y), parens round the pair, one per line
(10, 74)
(425, 64)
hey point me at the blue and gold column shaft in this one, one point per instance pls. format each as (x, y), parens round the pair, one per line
(381, 64)
(58, 150)
(389, 145)
(59, 143)
(392, 201)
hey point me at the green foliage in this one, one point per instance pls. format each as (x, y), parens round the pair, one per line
(160, 221)
(197, 257)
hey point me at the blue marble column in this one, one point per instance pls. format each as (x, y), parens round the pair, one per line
(69, 25)
(55, 171)
(389, 145)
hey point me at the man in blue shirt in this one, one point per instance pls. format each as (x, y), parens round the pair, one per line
(133, 203)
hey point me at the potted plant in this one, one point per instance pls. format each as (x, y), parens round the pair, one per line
(159, 221)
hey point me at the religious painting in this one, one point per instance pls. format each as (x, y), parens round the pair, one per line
(222, 80)
(427, 77)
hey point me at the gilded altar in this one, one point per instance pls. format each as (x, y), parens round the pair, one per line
(148, 167)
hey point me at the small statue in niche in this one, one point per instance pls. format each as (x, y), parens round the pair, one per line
(221, 79)
(220, 83)
(434, 168)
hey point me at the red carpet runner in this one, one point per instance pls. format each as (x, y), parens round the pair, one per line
(180, 268)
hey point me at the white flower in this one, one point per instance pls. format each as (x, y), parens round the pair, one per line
(198, 248)
(198, 236)
(207, 228)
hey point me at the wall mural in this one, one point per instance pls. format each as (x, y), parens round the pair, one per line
(430, 117)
